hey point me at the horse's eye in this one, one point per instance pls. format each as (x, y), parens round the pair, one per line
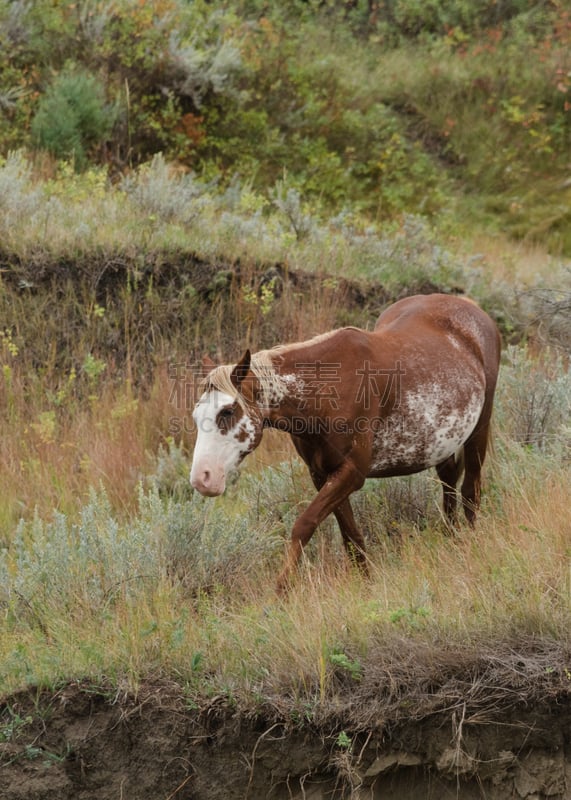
(225, 413)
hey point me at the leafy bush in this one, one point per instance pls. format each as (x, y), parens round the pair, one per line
(198, 71)
(72, 117)
(415, 17)
(298, 92)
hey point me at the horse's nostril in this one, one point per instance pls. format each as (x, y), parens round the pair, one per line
(206, 477)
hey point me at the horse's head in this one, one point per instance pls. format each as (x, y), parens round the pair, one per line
(229, 425)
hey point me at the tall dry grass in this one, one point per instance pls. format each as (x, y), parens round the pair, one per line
(51, 454)
(111, 569)
(159, 582)
(506, 581)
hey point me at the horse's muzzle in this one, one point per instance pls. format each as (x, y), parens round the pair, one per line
(208, 483)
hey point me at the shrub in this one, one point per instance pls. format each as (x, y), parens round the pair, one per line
(200, 71)
(20, 199)
(534, 401)
(408, 256)
(70, 564)
(158, 191)
(73, 117)
(415, 17)
(19, 196)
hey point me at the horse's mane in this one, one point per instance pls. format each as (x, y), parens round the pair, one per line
(272, 385)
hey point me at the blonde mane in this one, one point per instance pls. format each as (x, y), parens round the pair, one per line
(273, 387)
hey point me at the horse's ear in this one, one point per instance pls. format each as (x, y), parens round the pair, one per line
(240, 370)
(207, 365)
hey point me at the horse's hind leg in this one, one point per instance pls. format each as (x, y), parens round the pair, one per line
(449, 473)
(474, 455)
(352, 537)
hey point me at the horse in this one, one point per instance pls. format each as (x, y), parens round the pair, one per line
(416, 392)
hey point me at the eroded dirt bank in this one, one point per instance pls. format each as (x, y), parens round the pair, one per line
(82, 743)
(149, 307)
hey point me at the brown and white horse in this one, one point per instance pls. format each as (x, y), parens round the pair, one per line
(417, 392)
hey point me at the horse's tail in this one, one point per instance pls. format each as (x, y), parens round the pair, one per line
(459, 455)
(491, 443)
(459, 461)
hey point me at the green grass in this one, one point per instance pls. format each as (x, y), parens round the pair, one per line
(438, 111)
(340, 149)
(182, 588)
(157, 213)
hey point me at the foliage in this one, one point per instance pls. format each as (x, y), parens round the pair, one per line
(159, 193)
(72, 117)
(158, 206)
(67, 565)
(413, 18)
(535, 402)
(20, 198)
(383, 108)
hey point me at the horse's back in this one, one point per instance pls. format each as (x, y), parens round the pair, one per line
(439, 310)
(439, 321)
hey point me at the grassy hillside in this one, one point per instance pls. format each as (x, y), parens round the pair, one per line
(449, 109)
(317, 162)
(111, 568)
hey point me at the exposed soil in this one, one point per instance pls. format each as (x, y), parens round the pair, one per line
(106, 272)
(498, 728)
(153, 301)
(134, 310)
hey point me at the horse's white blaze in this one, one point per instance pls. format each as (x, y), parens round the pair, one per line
(217, 452)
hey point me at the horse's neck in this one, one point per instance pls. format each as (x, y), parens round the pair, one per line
(289, 400)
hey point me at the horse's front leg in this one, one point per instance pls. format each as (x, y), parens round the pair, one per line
(335, 490)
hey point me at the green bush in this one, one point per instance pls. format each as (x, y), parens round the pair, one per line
(415, 17)
(72, 117)
(383, 108)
